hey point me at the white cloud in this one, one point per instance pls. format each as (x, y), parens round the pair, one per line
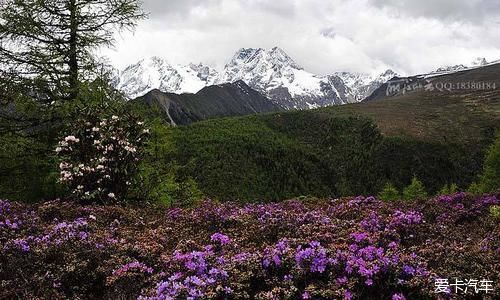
(322, 36)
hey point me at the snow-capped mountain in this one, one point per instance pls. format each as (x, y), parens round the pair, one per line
(271, 72)
(361, 85)
(456, 82)
(277, 75)
(479, 62)
(476, 63)
(156, 73)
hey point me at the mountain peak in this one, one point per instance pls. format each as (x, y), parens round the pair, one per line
(280, 56)
(479, 62)
(387, 75)
(276, 57)
(246, 54)
(389, 72)
(157, 59)
(278, 52)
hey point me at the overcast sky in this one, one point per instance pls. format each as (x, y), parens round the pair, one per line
(323, 36)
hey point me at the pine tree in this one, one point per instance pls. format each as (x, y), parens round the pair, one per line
(490, 180)
(448, 189)
(474, 188)
(415, 190)
(389, 193)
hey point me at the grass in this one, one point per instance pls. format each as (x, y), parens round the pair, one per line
(440, 117)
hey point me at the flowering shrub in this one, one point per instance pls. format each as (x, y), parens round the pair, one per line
(200, 274)
(353, 248)
(100, 157)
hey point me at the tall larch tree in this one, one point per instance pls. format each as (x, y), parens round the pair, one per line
(48, 46)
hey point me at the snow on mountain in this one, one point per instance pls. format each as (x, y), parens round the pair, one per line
(156, 73)
(361, 85)
(476, 63)
(271, 72)
(275, 74)
(278, 76)
(479, 62)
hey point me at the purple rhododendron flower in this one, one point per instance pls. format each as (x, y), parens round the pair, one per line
(358, 237)
(398, 297)
(134, 266)
(314, 256)
(22, 244)
(220, 238)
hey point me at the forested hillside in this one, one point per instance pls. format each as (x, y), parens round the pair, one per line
(352, 149)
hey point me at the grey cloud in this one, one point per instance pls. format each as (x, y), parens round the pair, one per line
(284, 8)
(328, 32)
(448, 10)
(162, 8)
(182, 8)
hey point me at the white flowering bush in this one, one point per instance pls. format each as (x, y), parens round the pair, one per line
(99, 158)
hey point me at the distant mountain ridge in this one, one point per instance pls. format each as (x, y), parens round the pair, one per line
(271, 72)
(224, 100)
(481, 78)
(476, 63)
(156, 73)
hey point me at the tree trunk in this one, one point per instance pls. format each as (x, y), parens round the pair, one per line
(73, 55)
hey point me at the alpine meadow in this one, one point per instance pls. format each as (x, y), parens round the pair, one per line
(322, 160)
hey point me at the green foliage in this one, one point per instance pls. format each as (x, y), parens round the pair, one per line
(158, 174)
(474, 189)
(27, 168)
(490, 180)
(453, 188)
(495, 212)
(156, 177)
(434, 163)
(27, 159)
(415, 190)
(283, 155)
(448, 189)
(274, 157)
(389, 193)
(47, 56)
(186, 193)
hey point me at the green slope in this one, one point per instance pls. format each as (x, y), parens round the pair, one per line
(334, 151)
(440, 137)
(442, 117)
